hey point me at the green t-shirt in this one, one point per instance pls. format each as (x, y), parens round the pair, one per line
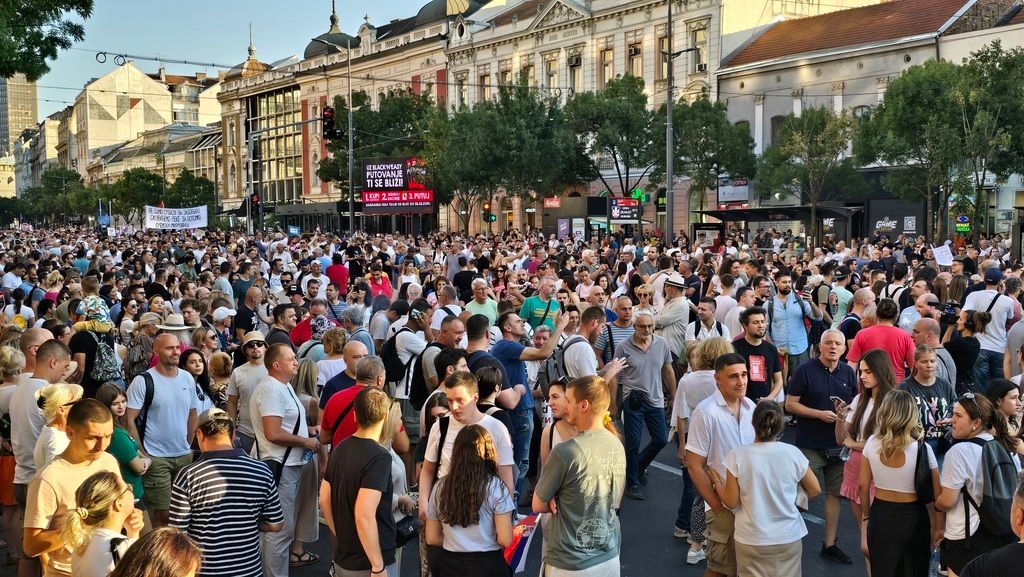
(588, 475)
(489, 309)
(533, 309)
(123, 448)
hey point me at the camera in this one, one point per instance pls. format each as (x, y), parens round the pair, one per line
(948, 313)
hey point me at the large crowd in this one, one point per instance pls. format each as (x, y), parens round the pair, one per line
(202, 402)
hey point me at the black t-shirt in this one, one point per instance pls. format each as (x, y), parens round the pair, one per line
(463, 282)
(356, 464)
(154, 289)
(277, 335)
(500, 414)
(964, 351)
(85, 342)
(245, 319)
(355, 265)
(762, 364)
(480, 359)
(849, 326)
(1002, 562)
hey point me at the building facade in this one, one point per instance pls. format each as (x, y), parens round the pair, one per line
(19, 110)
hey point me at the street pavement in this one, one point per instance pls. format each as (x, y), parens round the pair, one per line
(648, 547)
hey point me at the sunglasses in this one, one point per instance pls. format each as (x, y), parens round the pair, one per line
(255, 345)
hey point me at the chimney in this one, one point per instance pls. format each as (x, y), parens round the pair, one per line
(163, 75)
(221, 74)
(200, 77)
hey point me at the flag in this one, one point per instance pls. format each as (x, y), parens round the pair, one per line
(522, 536)
(160, 205)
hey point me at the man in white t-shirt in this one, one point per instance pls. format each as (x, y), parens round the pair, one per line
(463, 394)
(279, 424)
(170, 422)
(993, 338)
(243, 382)
(447, 306)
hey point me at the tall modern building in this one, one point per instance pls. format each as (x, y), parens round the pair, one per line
(18, 110)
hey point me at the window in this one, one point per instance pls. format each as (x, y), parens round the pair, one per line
(551, 72)
(699, 58)
(530, 73)
(462, 91)
(506, 77)
(636, 60)
(663, 58)
(485, 87)
(231, 134)
(575, 74)
(861, 111)
(744, 124)
(607, 60)
(777, 123)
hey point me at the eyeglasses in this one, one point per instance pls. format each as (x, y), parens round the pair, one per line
(645, 327)
(643, 294)
(255, 345)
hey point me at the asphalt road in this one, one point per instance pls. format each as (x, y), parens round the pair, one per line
(648, 547)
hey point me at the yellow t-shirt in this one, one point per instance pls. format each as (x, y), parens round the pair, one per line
(52, 493)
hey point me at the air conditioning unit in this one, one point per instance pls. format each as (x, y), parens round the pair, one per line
(702, 67)
(635, 51)
(575, 60)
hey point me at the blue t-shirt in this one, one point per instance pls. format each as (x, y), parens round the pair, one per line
(510, 353)
(335, 384)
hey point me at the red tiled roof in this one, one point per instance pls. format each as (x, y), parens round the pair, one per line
(856, 26)
(1017, 19)
(523, 13)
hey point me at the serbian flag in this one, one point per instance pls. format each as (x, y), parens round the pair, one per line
(522, 536)
(161, 205)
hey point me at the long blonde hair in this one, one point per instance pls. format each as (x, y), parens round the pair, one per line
(94, 498)
(897, 422)
(53, 397)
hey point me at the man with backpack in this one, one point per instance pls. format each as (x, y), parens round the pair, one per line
(705, 326)
(447, 306)
(162, 418)
(93, 347)
(398, 354)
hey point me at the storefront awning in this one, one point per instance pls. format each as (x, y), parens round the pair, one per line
(766, 213)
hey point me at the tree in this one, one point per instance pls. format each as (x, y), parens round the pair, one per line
(463, 157)
(133, 191)
(811, 148)
(706, 146)
(60, 195)
(915, 132)
(990, 96)
(32, 31)
(541, 155)
(191, 190)
(615, 126)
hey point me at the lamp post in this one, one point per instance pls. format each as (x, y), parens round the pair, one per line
(351, 161)
(670, 135)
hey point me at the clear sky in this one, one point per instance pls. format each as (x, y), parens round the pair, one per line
(209, 31)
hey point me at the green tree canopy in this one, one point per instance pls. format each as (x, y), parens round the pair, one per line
(191, 190)
(32, 31)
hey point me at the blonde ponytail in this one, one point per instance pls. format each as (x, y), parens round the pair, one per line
(94, 498)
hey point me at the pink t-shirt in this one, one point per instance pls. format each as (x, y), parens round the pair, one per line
(893, 340)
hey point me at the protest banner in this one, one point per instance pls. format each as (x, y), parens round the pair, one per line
(176, 218)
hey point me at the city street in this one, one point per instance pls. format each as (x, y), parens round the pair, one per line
(650, 550)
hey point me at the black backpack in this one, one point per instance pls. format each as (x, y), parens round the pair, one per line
(999, 482)
(394, 368)
(147, 401)
(418, 392)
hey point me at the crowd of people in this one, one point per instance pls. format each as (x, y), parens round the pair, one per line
(202, 402)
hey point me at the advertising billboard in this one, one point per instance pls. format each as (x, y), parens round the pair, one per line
(893, 217)
(393, 185)
(733, 190)
(624, 211)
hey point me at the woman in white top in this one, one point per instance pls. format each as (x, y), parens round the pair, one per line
(857, 423)
(55, 400)
(645, 297)
(762, 482)
(469, 516)
(899, 540)
(93, 529)
(976, 422)
(334, 363)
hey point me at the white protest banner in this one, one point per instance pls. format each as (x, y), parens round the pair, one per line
(175, 218)
(943, 256)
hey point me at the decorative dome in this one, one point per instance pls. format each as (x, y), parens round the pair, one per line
(441, 9)
(334, 38)
(251, 67)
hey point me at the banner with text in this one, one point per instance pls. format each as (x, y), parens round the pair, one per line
(176, 218)
(396, 185)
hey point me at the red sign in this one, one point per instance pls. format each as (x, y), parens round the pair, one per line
(626, 202)
(552, 202)
(398, 201)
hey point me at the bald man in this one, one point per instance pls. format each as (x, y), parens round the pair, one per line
(352, 352)
(926, 332)
(246, 320)
(925, 306)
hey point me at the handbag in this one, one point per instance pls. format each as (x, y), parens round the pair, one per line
(923, 476)
(407, 529)
(277, 467)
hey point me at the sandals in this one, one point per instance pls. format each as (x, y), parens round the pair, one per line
(306, 558)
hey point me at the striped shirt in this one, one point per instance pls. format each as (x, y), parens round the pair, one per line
(618, 335)
(219, 501)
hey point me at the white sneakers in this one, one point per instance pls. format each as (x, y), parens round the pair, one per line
(694, 556)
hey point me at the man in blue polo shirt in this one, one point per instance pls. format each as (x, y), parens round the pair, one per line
(512, 354)
(811, 389)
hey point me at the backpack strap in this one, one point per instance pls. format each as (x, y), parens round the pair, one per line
(147, 402)
(341, 418)
(546, 311)
(993, 303)
(610, 345)
(718, 327)
(551, 434)
(442, 426)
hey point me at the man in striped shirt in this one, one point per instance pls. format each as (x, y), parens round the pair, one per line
(224, 500)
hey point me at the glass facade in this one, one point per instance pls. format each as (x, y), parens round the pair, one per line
(277, 160)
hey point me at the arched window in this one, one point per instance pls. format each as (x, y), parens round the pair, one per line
(745, 124)
(231, 178)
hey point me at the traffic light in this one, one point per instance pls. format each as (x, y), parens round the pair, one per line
(488, 216)
(329, 132)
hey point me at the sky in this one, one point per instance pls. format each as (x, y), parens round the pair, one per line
(206, 31)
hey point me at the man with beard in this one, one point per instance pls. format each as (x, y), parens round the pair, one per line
(786, 314)
(764, 371)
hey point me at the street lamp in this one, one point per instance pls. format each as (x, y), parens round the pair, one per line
(670, 136)
(348, 57)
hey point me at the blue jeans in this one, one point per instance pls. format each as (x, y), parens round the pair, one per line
(686, 504)
(522, 432)
(638, 460)
(988, 367)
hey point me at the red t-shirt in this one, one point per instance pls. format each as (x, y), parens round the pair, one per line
(338, 273)
(339, 401)
(893, 340)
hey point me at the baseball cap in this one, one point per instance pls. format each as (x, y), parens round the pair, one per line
(993, 275)
(212, 414)
(222, 313)
(842, 272)
(294, 290)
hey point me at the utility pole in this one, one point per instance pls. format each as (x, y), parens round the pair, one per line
(351, 161)
(670, 135)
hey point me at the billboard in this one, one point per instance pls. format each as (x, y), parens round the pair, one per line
(624, 211)
(733, 190)
(394, 185)
(893, 217)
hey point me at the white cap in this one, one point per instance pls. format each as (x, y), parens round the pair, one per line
(222, 313)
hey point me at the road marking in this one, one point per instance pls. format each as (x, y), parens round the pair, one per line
(679, 473)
